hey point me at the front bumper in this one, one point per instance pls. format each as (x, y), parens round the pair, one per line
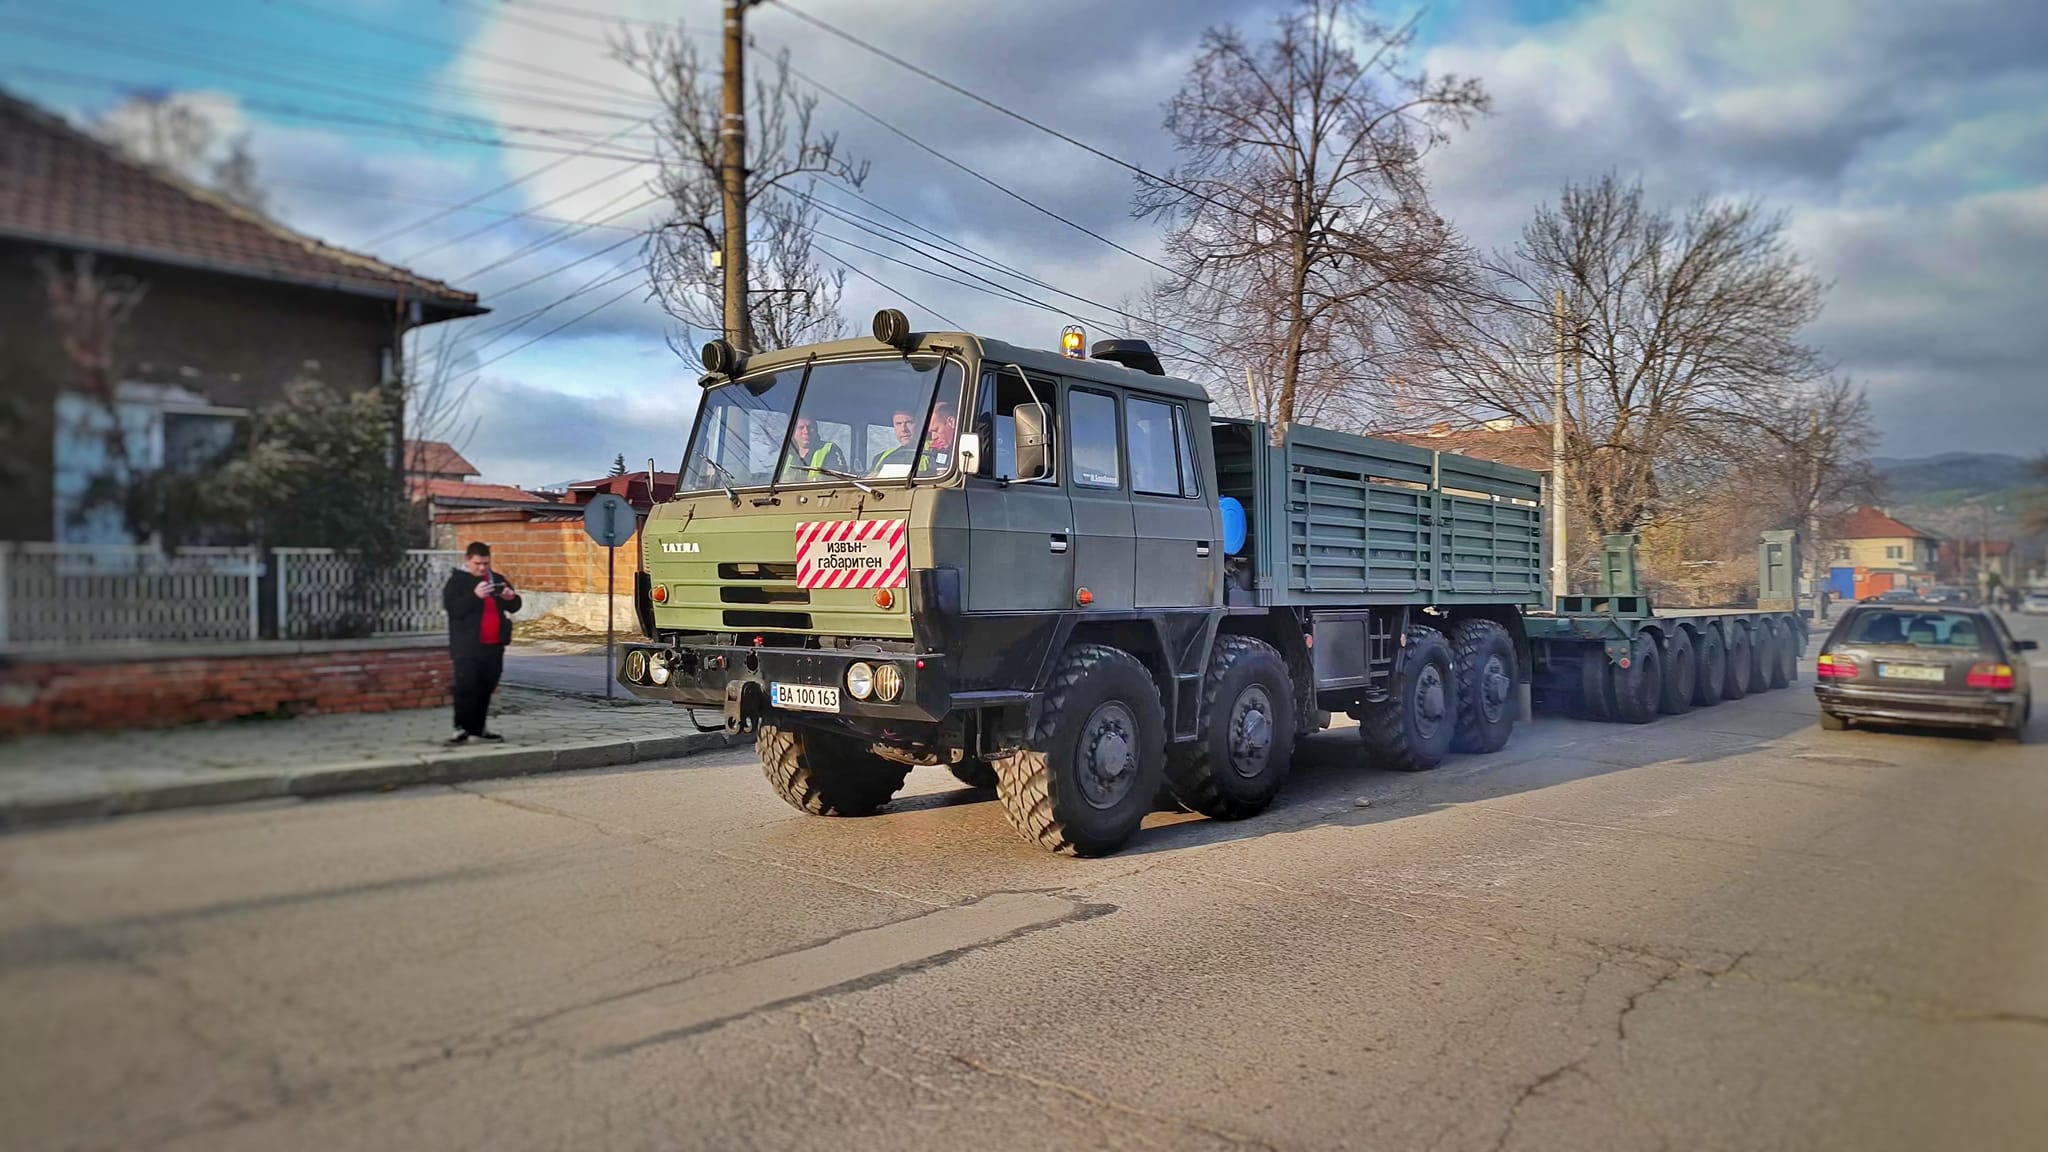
(735, 680)
(1904, 706)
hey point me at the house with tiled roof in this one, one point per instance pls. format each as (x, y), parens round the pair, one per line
(1502, 441)
(124, 287)
(1867, 537)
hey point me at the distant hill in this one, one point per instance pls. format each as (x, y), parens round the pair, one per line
(1953, 477)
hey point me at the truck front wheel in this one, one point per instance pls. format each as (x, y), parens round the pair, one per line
(1095, 761)
(1486, 685)
(973, 773)
(1411, 731)
(1236, 766)
(825, 773)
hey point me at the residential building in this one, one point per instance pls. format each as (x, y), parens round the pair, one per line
(215, 309)
(1869, 538)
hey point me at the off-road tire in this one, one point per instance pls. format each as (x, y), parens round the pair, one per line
(1735, 685)
(973, 773)
(1038, 786)
(1386, 729)
(1681, 674)
(1473, 643)
(1790, 651)
(1829, 722)
(1639, 687)
(1712, 659)
(1301, 679)
(1763, 656)
(1201, 772)
(825, 773)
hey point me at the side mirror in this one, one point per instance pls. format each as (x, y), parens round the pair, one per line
(2026, 645)
(970, 453)
(1034, 433)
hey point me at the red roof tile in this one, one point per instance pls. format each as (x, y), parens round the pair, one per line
(1867, 523)
(427, 488)
(1519, 445)
(62, 187)
(436, 458)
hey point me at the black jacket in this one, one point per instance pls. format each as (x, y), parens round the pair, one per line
(466, 615)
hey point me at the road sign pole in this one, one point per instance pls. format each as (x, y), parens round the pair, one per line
(604, 521)
(611, 557)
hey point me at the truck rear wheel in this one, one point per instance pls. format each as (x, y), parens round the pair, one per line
(973, 773)
(1681, 674)
(1712, 659)
(1411, 732)
(1596, 683)
(1639, 687)
(1236, 766)
(1735, 685)
(825, 773)
(1096, 759)
(1485, 656)
(1785, 669)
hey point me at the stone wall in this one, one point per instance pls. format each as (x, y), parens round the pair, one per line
(156, 686)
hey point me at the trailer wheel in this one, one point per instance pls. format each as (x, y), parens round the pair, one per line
(1596, 683)
(1791, 648)
(1411, 732)
(1735, 685)
(1485, 656)
(1681, 674)
(1236, 766)
(973, 773)
(1763, 657)
(1712, 659)
(825, 773)
(1639, 687)
(1096, 759)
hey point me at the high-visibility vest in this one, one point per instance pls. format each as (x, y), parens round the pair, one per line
(818, 456)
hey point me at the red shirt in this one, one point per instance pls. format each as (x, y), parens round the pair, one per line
(493, 621)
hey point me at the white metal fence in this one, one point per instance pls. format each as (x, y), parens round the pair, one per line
(75, 594)
(322, 592)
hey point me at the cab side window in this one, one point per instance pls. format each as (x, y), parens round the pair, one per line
(1091, 428)
(1152, 443)
(1001, 392)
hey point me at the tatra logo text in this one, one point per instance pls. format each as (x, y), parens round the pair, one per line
(679, 546)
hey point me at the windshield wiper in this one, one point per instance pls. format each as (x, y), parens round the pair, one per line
(734, 496)
(846, 476)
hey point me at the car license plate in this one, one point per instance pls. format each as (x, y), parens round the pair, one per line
(805, 697)
(1931, 672)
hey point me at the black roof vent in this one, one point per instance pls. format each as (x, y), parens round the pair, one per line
(1129, 353)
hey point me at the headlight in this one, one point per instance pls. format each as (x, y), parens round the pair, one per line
(636, 665)
(860, 679)
(888, 682)
(657, 668)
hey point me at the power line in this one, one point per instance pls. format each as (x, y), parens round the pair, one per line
(584, 259)
(429, 202)
(565, 234)
(612, 275)
(896, 292)
(576, 191)
(630, 289)
(476, 199)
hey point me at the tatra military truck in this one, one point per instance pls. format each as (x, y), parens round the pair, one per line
(1063, 578)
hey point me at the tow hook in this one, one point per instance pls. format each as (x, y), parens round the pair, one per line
(742, 707)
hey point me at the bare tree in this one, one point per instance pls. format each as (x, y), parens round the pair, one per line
(798, 300)
(171, 131)
(1683, 333)
(1300, 228)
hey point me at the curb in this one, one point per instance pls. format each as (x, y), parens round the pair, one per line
(364, 776)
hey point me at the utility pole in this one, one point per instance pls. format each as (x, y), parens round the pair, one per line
(732, 172)
(1558, 564)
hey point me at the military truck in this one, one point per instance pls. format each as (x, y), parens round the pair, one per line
(1065, 579)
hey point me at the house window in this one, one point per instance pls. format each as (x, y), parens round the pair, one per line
(160, 427)
(1894, 552)
(1841, 553)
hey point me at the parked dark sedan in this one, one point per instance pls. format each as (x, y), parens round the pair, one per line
(1933, 664)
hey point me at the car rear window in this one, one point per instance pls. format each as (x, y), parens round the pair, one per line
(1960, 630)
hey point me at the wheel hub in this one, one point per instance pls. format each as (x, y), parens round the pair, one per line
(1429, 699)
(1494, 686)
(1108, 755)
(1251, 732)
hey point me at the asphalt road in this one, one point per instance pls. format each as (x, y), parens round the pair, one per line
(1727, 930)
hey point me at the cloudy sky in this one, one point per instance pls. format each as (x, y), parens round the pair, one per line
(1907, 142)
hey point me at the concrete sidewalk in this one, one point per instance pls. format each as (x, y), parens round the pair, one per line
(47, 779)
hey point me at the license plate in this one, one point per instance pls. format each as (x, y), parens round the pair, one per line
(1912, 672)
(805, 697)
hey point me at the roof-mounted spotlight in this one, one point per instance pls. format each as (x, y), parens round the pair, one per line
(892, 327)
(721, 358)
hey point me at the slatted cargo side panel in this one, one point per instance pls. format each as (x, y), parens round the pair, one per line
(1492, 528)
(1360, 515)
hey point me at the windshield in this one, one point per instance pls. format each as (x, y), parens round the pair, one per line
(857, 418)
(1919, 629)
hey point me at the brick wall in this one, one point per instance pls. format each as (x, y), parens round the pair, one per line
(186, 684)
(538, 552)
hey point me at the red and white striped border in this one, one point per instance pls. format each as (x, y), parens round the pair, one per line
(892, 533)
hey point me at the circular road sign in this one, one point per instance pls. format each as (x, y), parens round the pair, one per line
(609, 520)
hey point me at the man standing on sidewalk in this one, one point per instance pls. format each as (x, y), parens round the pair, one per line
(480, 604)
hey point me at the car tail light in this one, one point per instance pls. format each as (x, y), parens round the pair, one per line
(1836, 668)
(1997, 677)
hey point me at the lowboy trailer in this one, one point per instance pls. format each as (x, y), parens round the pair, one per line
(1061, 578)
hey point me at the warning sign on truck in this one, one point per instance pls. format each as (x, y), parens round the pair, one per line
(852, 554)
